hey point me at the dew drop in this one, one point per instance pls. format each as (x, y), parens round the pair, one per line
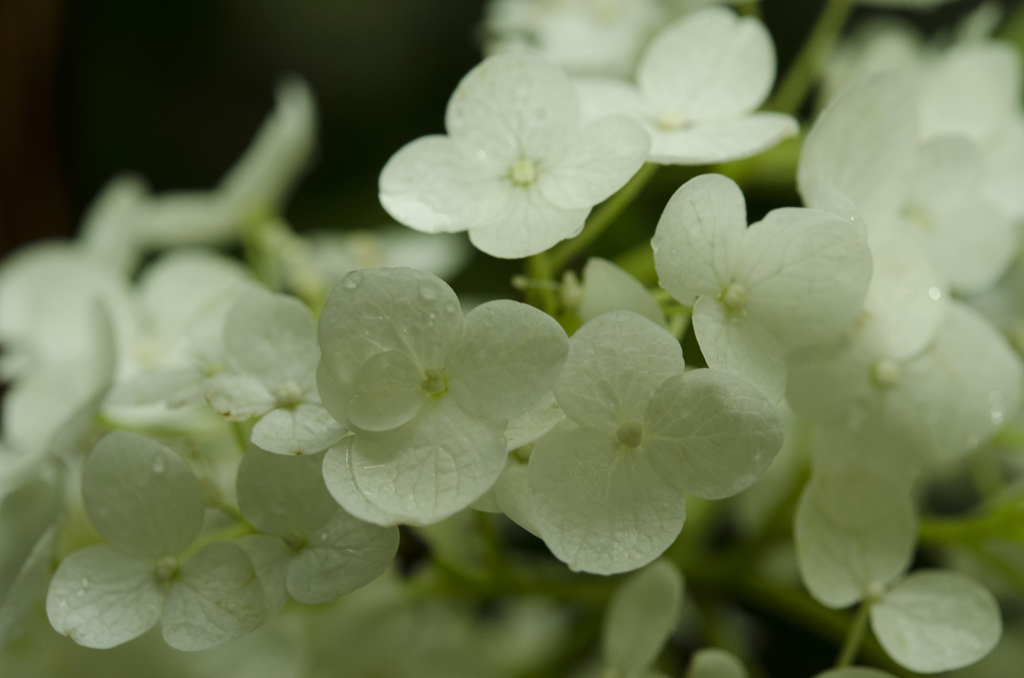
(997, 414)
(158, 465)
(85, 583)
(481, 155)
(428, 293)
(935, 293)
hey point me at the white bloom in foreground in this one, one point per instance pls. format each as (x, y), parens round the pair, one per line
(427, 392)
(875, 46)
(271, 354)
(146, 502)
(696, 91)
(607, 287)
(519, 169)
(608, 496)
(796, 278)
(315, 551)
(641, 615)
(716, 663)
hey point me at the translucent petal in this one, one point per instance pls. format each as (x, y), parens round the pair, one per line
(306, 428)
(28, 587)
(697, 237)
(937, 620)
(272, 337)
(30, 506)
(175, 387)
(387, 392)
(972, 89)
(528, 427)
(854, 671)
(432, 185)
(607, 287)
(512, 494)
(710, 64)
(335, 254)
(805, 273)
(855, 529)
(710, 434)
(389, 309)
(616, 362)
(862, 148)
(603, 96)
(641, 615)
(740, 345)
(510, 355)
(141, 497)
(421, 472)
(338, 558)
(283, 496)
(713, 141)
(594, 162)
(529, 223)
(238, 397)
(216, 598)
(1004, 157)
(270, 558)
(101, 598)
(512, 105)
(717, 663)
(599, 506)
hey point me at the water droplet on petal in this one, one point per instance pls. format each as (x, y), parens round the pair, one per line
(158, 465)
(85, 583)
(428, 293)
(935, 293)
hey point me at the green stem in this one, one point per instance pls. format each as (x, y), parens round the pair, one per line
(538, 267)
(806, 68)
(602, 218)
(854, 636)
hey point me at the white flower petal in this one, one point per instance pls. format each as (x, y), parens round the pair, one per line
(305, 429)
(529, 426)
(141, 497)
(102, 598)
(740, 345)
(720, 140)
(421, 472)
(601, 97)
(529, 223)
(238, 397)
(616, 362)
(387, 392)
(175, 387)
(270, 558)
(600, 509)
(855, 529)
(27, 587)
(641, 615)
(512, 494)
(607, 288)
(713, 662)
(283, 496)
(710, 64)
(510, 355)
(936, 621)
(696, 240)
(710, 434)
(215, 599)
(854, 671)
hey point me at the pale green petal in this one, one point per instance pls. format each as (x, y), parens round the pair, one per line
(713, 141)
(141, 497)
(528, 224)
(101, 598)
(28, 587)
(388, 309)
(176, 387)
(238, 397)
(854, 672)
(716, 663)
(31, 505)
(855, 529)
(805, 273)
(339, 557)
(607, 288)
(616, 362)
(306, 428)
(283, 496)
(510, 355)
(419, 473)
(599, 506)
(710, 64)
(387, 392)
(273, 338)
(937, 620)
(696, 241)
(216, 598)
(512, 494)
(270, 558)
(861, 148)
(740, 345)
(710, 434)
(528, 427)
(640, 617)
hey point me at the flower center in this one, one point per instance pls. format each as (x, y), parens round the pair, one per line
(885, 373)
(523, 172)
(671, 121)
(734, 298)
(166, 568)
(629, 434)
(433, 382)
(288, 394)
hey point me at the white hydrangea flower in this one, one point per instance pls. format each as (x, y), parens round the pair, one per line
(427, 392)
(271, 354)
(714, 662)
(607, 287)
(519, 168)
(607, 495)
(103, 596)
(854, 672)
(315, 551)
(697, 87)
(875, 46)
(796, 278)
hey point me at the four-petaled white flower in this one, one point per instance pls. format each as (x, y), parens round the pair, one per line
(427, 392)
(697, 87)
(520, 168)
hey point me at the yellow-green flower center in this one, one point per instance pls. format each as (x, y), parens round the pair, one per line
(630, 434)
(523, 172)
(433, 382)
